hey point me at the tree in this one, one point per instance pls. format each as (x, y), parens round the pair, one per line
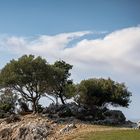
(100, 92)
(62, 85)
(8, 101)
(29, 76)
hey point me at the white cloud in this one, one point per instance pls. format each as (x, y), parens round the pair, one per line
(118, 51)
(14, 41)
(53, 46)
(117, 54)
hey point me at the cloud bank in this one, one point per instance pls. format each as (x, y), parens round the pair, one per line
(116, 52)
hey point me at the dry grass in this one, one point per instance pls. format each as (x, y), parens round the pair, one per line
(83, 128)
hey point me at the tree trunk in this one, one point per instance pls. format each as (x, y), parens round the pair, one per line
(56, 99)
(61, 98)
(34, 106)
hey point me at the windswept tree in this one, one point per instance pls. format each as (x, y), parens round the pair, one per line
(62, 85)
(101, 92)
(29, 76)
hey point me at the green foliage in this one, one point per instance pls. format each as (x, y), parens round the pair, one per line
(33, 77)
(62, 86)
(29, 75)
(100, 92)
(8, 101)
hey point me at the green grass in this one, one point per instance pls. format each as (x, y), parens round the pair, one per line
(111, 135)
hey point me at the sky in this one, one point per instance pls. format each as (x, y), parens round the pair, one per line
(100, 38)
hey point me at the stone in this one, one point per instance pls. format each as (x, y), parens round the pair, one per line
(67, 128)
(33, 132)
(89, 118)
(13, 118)
(5, 134)
(114, 117)
(65, 112)
(66, 119)
(73, 107)
(130, 124)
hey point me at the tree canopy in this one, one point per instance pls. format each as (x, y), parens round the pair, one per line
(29, 76)
(61, 83)
(32, 77)
(100, 92)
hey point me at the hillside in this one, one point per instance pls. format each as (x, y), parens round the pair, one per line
(36, 127)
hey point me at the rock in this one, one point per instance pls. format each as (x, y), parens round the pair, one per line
(33, 132)
(47, 110)
(67, 128)
(30, 128)
(68, 110)
(65, 112)
(51, 109)
(58, 112)
(52, 116)
(89, 118)
(22, 133)
(25, 113)
(114, 117)
(12, 118)
(110, 121)
(98, 122)
(130, 124)
(73, 107)
(5, 134)
(105, 122)
(66, 119)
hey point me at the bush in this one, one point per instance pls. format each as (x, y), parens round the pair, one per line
(8, 101)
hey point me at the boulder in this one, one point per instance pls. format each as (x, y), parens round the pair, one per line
(89, 118)
(130, 124)
(65, 112)
(51, 109)
(73, 107)
(69, 110)
(114, 117)
(66, 119)
(32, 132)
(82, 113)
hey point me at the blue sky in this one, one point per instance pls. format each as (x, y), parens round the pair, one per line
(101, 38)
(33, 17)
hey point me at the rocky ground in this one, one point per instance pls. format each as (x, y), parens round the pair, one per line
(39, 127)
